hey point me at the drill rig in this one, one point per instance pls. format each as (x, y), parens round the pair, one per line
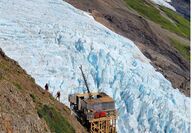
(96, 111)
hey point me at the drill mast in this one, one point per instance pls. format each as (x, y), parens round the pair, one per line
(86, 84)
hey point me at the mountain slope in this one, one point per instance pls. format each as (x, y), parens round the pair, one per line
(142, 22)
(183, 7)
(52, 42)
(180, 6)
(22, 101)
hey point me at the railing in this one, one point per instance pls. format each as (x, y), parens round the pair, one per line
(96, 115)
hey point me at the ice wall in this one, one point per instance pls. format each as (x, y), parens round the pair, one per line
(50, 39)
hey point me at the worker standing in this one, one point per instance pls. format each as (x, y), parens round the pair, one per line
(46, 87)
(58, 95)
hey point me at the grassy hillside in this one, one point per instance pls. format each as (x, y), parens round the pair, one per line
(184, 49)
(179, 25)
(182, 24)
(56, 122)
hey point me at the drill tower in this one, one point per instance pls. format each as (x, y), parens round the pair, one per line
(96, 111)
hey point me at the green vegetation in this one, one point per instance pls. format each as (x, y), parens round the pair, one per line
(182, 23)
(33, 80)
(181, 26)
(3, 66)
(33, 97)
(56, 122)
(1, 74)
(18, 86)
(182, 48)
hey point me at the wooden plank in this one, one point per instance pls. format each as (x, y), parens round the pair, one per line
(103, 119)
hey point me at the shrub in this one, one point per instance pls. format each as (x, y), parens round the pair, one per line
(33, 97)
(56, 122)
(17, 85)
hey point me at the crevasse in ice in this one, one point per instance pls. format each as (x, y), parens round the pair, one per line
(50, 39)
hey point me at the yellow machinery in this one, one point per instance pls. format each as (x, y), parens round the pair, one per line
(96, 111)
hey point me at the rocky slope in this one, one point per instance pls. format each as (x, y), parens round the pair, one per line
(161, 45)
(27, 108)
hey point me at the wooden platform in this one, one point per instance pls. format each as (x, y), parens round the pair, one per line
(103, 125)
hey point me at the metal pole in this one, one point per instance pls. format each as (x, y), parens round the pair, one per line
(85, 81)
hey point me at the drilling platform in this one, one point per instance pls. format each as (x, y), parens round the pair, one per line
(95, 111)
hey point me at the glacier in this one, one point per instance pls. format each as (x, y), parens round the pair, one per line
(50, 39)
(165, 3)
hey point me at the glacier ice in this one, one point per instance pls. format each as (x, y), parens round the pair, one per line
(165, 3)
(50, 39)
